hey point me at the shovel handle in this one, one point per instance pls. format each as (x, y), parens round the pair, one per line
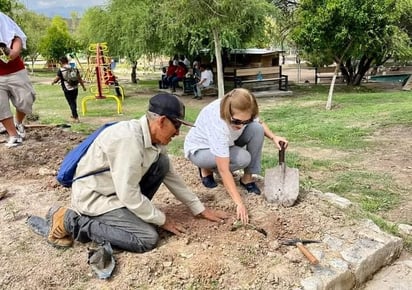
(312, 259)
(282, 153)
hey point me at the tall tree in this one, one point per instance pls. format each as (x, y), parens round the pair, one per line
(57, 41)
(93, 27)
(356, 34)
(34, 26)
(220, 22)
(126, 26)
(283, 22)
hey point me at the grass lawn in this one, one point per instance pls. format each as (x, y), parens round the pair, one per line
(328, 146)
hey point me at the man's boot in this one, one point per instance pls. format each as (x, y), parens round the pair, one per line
(58, 236)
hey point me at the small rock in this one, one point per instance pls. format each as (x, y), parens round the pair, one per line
(403, 228)
(3, 193)
(167, 264)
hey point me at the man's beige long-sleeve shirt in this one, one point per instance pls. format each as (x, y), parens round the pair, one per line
(126, 148)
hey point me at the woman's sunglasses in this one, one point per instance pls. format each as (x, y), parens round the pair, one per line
(234, 121)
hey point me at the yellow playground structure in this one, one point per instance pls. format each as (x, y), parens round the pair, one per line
(99, 71)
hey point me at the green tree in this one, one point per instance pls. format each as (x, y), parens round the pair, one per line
(136, 27)
(282, 23)
(92, 27)
(57, 41)
(129, 27)
(5, 6)
(34, 26)
(199, 23)
(356, 34)
(405, 22)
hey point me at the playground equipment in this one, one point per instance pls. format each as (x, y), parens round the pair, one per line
(105, 79)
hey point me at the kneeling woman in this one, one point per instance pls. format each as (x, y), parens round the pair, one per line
(228, 136)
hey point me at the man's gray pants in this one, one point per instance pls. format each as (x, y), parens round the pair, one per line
(121, 227)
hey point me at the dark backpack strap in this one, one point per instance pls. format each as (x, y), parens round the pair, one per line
(91, 173)
(62, 79)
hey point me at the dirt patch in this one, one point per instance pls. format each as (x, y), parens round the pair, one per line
(393, 156)
(209, 256)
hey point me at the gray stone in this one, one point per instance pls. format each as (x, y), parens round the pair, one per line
(373, 250)
(405, 229)
(337, 200)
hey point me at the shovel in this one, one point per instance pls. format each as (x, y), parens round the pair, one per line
(282, 182)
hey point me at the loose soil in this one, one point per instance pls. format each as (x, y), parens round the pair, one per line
(208, 256)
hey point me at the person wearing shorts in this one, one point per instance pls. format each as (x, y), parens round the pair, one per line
(15, 85)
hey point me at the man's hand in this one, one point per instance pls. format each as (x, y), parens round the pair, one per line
(171, 226)
(214, 215)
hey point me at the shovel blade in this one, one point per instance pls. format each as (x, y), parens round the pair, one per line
(282, 185)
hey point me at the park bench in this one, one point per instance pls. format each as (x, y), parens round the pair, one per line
(261, 77)
(326, 73)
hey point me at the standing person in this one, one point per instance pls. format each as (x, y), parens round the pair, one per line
(206, 79)
(69, 86)
(228, 136)
(115, 205)
(15, 85)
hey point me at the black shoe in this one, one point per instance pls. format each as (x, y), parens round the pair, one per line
(208, 181)
(250, 187)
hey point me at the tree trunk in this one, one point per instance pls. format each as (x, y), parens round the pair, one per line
(218, 55)
(134, 74)
(332, 85)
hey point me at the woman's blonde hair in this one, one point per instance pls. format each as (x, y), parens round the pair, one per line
(239, 99)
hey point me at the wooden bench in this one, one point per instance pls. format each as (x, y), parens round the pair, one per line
(325, 73)
(261, 77)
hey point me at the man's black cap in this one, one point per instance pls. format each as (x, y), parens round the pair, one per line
(168, 105)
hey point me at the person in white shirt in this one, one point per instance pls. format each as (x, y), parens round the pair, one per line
(228, 136)
(206, 79)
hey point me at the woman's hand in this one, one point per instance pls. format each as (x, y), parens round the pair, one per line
(278, 139)
(242, 214)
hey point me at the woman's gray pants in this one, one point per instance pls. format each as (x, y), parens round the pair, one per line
(245, 154)
(121, 227)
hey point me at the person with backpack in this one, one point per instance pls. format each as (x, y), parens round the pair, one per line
(69, 78)
(116, 179)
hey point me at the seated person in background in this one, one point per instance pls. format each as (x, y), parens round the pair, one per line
(179, 75)
(170, 73)
(185, 60)
(210, 72)
(162, 82)
(111, 80)
(206, 79)
(196, 70)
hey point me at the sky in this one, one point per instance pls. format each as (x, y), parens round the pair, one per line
(62, 8)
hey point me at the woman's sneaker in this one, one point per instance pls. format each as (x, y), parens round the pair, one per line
(14, 141)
